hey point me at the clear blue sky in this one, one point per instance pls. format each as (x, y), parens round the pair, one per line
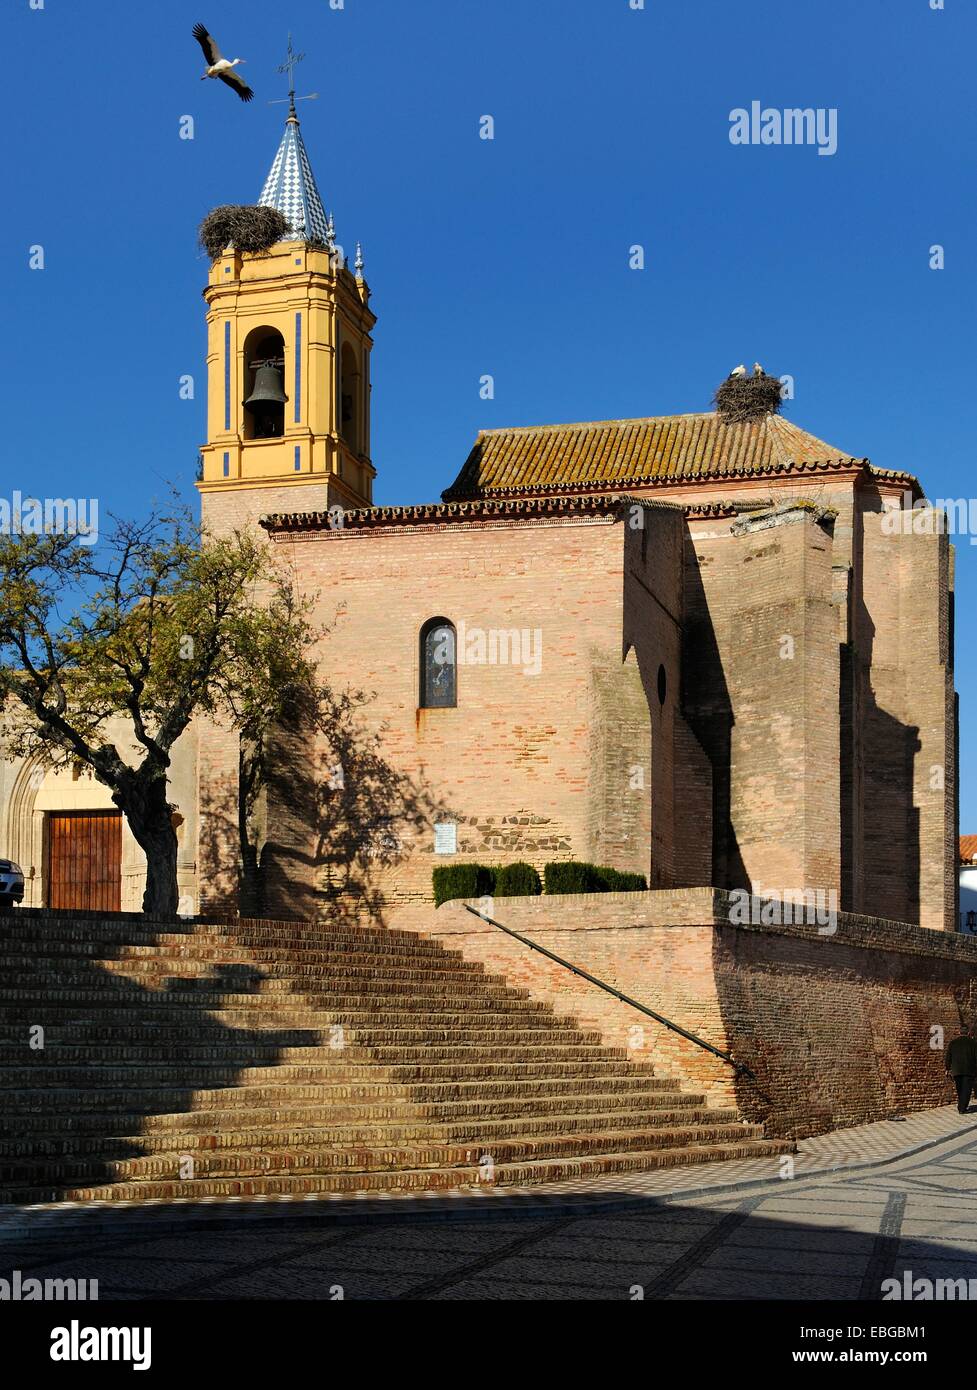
(505, 257)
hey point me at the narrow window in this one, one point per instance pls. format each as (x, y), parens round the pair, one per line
(438, 661)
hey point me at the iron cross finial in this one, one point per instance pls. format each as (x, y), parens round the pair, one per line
(289, 67)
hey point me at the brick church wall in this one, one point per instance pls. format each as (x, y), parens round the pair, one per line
(903, 648)
(761, 693)
(532, 767)
(838, 1028)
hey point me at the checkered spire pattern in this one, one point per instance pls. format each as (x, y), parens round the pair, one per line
(291, 187)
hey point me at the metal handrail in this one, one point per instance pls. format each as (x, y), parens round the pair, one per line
(609, 989)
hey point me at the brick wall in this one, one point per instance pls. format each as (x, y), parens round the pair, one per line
(907, 773)
(533, 767)
(762, 694)
(836, 1027)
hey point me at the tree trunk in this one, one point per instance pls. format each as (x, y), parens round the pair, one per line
(150, 818)
(250, 769)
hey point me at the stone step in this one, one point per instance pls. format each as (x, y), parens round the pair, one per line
(277, 1159)
(125, 1118)
(334, 1067)
(283, 1093)
(218, 951)
(18, 969)
(258, 1011)
(118, 994)
(403, 1180)
(285, 982)
(251, 1131)
(319, 1030)
(199, 1053)
(282, 937)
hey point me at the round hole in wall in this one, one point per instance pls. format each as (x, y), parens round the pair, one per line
(662, 685)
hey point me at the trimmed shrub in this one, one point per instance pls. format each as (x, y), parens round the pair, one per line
(462, 881)
(517, 881)
(619, 881)
(574, 876)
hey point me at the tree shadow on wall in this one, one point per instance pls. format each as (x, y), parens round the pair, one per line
(339, 816)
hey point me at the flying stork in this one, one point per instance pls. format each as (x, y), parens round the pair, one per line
(219, 66)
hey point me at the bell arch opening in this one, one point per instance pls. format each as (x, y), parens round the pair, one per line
(264, 384)
(349, 397)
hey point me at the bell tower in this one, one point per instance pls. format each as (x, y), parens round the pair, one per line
(288, 362)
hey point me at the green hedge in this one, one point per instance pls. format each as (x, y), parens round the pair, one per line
(522, 880)
(619, 881)
(517, 881)
(574, 876)
(462, 881)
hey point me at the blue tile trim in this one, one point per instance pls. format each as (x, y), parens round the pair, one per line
(227, 374)
(227, 465)
(298, 458)
(298, 368)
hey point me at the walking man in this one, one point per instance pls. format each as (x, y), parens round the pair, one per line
(961, 1064)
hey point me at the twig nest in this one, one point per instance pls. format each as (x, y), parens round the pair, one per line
(742, 398)
(245, 227)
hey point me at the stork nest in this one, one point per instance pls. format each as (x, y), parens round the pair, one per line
(244, 227)
(741, 398)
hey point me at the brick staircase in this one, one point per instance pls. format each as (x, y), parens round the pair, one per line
(269, 1058)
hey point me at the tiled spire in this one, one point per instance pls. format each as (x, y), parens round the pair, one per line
(291, 187)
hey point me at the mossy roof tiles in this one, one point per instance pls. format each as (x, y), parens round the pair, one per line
(665, 448)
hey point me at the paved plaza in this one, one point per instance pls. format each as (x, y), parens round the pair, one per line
(863, 1206)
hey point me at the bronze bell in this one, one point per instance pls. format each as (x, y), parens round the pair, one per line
(268, 388)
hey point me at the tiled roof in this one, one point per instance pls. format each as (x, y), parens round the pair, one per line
(428, 514)
(968, 848)
(663, 448)
(291, 187)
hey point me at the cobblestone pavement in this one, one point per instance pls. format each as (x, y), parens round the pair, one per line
(831, 1236)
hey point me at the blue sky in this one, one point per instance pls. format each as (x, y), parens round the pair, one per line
(507, 257)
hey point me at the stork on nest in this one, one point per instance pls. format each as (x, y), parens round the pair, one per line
(743, 397)
(253, 229)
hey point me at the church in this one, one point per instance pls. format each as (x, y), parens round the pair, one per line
(685, 646)
(691, 648)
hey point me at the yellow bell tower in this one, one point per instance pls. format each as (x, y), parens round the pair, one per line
(288, 363)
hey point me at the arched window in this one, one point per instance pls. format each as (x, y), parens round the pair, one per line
(349, 397)
(438, 665)
(264, 384)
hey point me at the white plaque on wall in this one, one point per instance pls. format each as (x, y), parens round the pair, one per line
(445, 837)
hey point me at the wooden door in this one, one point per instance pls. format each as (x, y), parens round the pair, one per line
(85, 860)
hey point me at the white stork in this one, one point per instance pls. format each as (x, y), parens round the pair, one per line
(757, 369)
(219, 66)
(738, 371)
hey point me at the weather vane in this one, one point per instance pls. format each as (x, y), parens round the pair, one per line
(289, 67)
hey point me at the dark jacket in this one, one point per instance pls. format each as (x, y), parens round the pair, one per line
(961, 1057)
